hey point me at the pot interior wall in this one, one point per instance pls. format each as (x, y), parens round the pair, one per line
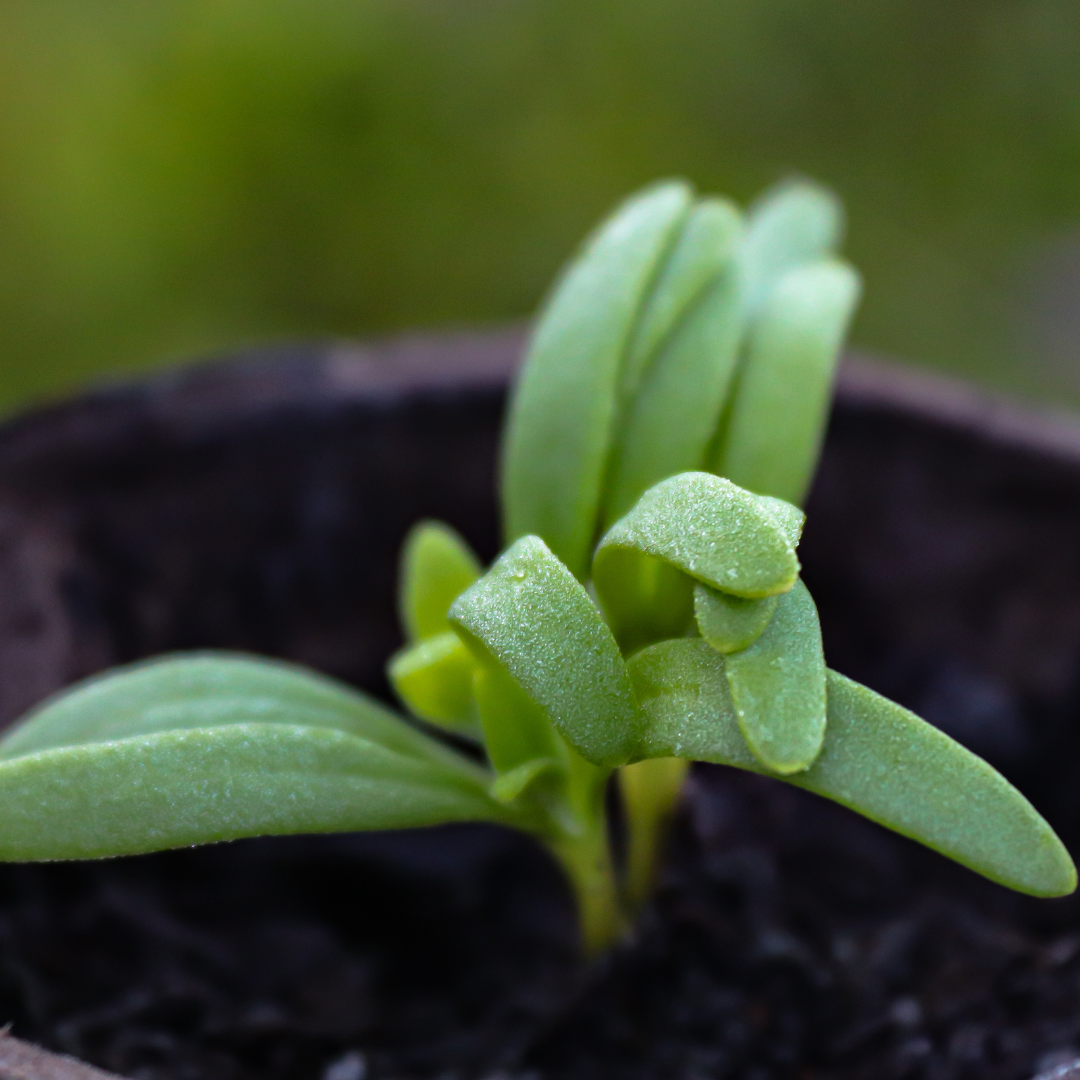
(259, 504)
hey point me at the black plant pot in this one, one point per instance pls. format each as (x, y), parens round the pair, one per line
(259, 503)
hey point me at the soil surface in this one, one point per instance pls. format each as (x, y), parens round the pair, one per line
(259, 505)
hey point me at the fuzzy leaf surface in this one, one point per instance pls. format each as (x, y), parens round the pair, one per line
(203, 690)
(436, 566)
(777, 686)
(562, 418)
(878, 759)
(198, 785)
(529, 615)
(773, 430)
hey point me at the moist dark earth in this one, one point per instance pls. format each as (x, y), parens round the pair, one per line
(788, 938)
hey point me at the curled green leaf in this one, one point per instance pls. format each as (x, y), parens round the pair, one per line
(436, 566)
(878, 759)
(531, 617)
(434, 679)
(777, 686)
(563, 413)
(773, 427)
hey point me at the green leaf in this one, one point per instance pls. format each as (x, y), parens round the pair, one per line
(772, 433)
(878, 759)
(512, 785)
(202, 690)
(434, 679)
(710, 529)
(793, 223)
(563, 413)
(199, 785)
(704, 249)
(730, 623)
(777, 686)
(529, 615)
(436, 567)
(670, 423)
(517, 731)
(787, 515)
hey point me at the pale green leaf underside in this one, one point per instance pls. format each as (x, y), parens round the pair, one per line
(795, 222)
(777, 686)
(201, 785)
(878, 759)
(434, 679)
(529, 615)
(562, 417)
(773, 430)
(200, 690)
(436, 566)
(708, 528)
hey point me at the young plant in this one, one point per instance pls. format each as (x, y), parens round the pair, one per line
(647, 612)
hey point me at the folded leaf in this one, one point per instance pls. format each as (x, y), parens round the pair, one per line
(562, 416)
(878, 759)
(793, 223)
(777, 686)
(730, 623)
(772, 433)
(434, 679)
(530, 616)
(436, 566)
(200, 690)
(199, 785)
(707, 527)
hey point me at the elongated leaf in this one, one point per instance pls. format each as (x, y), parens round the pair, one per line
(878, 759)
(710, 529)
(434, 678)
(562, 417)
(730, 623)
(198, 785)
(772, 434)
(200, 690)
(705, 246)
(777, 686)
(670, 423)
(787, 515)
(530, 616)
(436, 566)
(793, 223)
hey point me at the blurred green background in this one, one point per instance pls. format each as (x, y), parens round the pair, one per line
(184, 176)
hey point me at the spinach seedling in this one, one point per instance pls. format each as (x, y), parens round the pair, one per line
(646, 612)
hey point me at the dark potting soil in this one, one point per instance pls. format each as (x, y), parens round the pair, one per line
(259, 505)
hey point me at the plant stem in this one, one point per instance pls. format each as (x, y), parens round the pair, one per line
(586, 860)
(650, 790)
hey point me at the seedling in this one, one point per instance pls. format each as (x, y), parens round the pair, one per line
(647, 612)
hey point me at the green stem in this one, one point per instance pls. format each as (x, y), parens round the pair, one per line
(650, 790)
(586, 859)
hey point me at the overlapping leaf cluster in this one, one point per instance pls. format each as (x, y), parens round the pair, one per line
(647, 612)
